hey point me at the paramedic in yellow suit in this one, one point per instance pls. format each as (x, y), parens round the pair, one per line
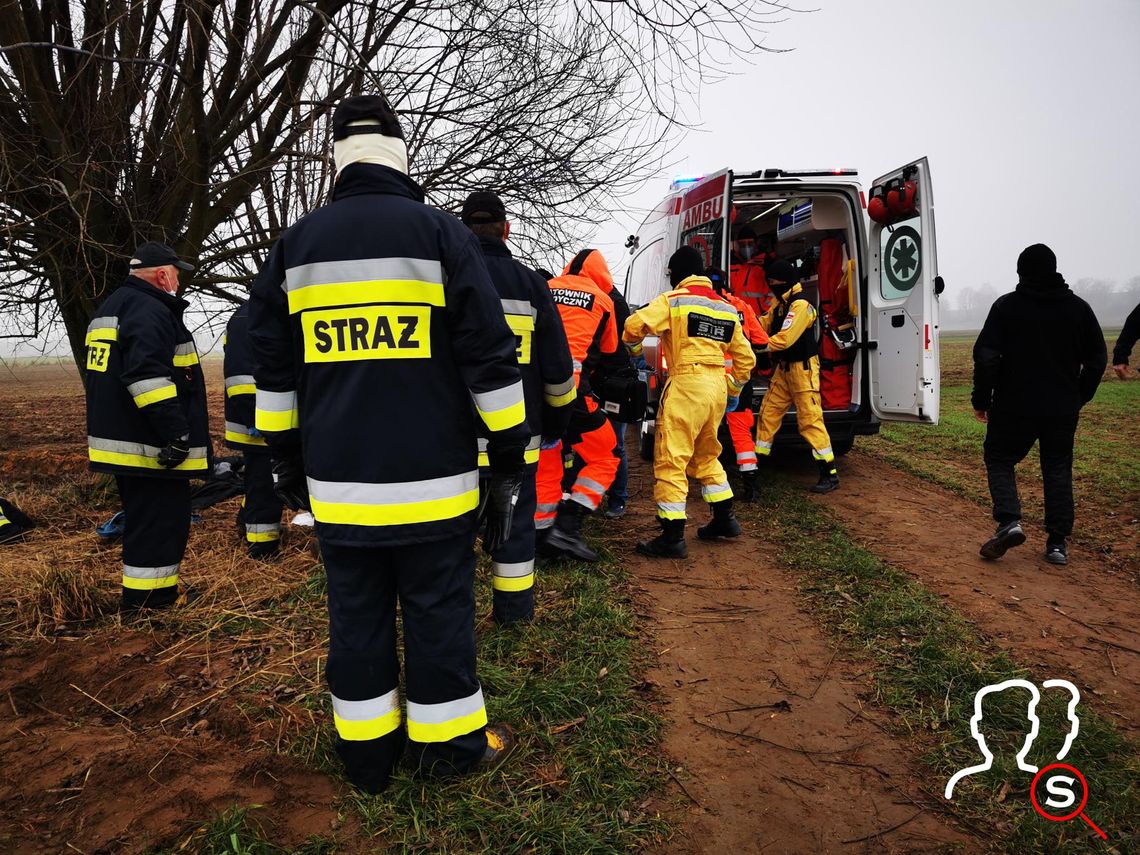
(795, 354)
(698, 329)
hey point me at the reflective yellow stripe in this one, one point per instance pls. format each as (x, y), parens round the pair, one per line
(244, 438)
(359, 731)
(244, 389)
(102, 334)
(561, 400)
(402, 514)
(508, 417)
(367, 291)
(119, 458)
(276, 420)
(163, 393)
(529, 456)
(149, 584)
(262, 536)
(517, 583)
(442, 731)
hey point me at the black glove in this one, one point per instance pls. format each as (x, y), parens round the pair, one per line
(175, 451)
(497, 506)
(289, 483)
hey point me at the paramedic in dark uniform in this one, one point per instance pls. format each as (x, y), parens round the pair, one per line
(379, 342)
(146, 419)
(1125, 342)
(260, 516)
(548, 388)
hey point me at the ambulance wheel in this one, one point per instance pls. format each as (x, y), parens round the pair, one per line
(842, 446)
(645, 446)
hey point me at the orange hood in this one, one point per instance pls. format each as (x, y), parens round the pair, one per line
(591, 264)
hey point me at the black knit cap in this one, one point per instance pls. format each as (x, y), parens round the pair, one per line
(782, 271)
(1036, 262)
(483, 206)
(684, 263)
(360, 108)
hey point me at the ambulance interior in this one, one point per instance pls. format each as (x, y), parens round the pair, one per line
(817, 234)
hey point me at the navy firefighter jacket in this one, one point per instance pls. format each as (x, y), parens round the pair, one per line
(378, 342)
(144, 385)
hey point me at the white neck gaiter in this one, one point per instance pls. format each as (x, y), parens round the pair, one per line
(370, 148)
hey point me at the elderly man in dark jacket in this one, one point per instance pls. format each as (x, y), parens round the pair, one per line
(1037, 361)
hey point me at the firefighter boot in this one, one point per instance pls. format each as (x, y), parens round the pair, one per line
(669, 544)
(828, 477)
(749, 486)
(566, 534)
(722, 524)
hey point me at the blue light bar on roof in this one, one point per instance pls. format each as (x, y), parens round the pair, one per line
(684, 181)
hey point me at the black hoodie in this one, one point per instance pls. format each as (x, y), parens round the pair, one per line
(1041, 353)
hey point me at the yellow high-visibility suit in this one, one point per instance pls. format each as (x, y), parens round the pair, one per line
(698, 329)
(796, 378)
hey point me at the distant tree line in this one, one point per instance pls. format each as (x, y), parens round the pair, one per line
(966, 308)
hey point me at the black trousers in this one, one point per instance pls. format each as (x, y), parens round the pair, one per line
(155, 533)
(512, 582)
(434, 583)
(261, 509)
(1008, 441)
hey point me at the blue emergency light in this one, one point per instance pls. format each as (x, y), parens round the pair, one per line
(684, 181)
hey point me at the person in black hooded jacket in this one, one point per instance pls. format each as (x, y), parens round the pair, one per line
(1037, 361)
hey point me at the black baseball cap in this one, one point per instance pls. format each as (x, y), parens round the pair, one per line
(155, 254)
(483, 206)
(373, 109)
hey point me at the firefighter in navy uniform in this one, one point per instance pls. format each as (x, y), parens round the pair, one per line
(379, 341)
(146, 419)
(548, 388)
(794, 350)
(260, 516)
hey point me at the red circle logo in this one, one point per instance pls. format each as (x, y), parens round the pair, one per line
(1084, 794)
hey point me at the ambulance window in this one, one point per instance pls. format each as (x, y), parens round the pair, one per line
(643, 281)
(900, 248)
(708, 240)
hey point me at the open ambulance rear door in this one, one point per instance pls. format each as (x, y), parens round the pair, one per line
(903, 289)
(703, 218)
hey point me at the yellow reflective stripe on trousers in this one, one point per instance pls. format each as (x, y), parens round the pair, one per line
(262, 532)
(671, 510)
(716, 492)
(357, 721)
(400, 503)
(530, 454)
(149, 578)
(120, 453)
(240, 384)
(503, 408)
(354, 282)
(239, 433)
(441, 722)
(152, 391)
(513, 577)
(276, 412)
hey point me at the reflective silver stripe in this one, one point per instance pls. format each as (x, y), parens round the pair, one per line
(756, 294)
(513, 571)
(519, 307)
(714, 489)
(262, 528)
(760, 443)
(276, 402)
(138, 448)
(749, 467)
(238, 427)
(151, 572)
(577, 366)
(703, 302)
(589, 484)
(363, 270)
(440, 713)
(539, 525)
(546, 509)
(586, 501)
(239, 380)
(107, 322)
(824, 454)
(142, 386)
(366, 710)
(185, 349)
(671, 507)
(499, 399)
(398, 493)
(556, 390)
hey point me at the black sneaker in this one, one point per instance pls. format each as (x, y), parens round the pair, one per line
(614, 510)
(1057, 551)
(500, 743)
(1005, 538)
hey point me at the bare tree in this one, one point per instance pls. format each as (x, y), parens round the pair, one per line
(203, 122)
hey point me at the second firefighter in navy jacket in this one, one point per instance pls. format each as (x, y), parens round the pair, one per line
(259, 519)
(146, 419)
(379, 342)
(548, 388)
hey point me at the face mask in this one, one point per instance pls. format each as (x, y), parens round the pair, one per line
(746, 250)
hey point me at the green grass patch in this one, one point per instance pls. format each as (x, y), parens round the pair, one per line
(238, 831)
(928, 664)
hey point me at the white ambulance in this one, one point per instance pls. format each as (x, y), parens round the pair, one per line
(874, 277)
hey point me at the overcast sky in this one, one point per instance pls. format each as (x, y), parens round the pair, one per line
(1029, 111)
